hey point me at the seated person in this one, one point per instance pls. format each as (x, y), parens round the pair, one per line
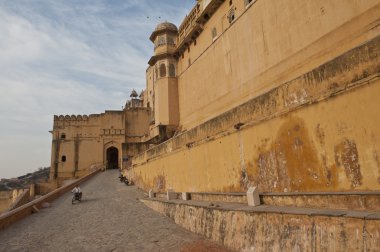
(77, 191)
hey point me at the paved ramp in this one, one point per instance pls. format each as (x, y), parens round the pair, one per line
(110, 218)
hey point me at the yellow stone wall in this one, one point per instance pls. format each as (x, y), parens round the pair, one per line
(6, 199)
(137, 122)
(269, 43)
(87, 139)
(166, 101)
(316, 132)
(333, 145)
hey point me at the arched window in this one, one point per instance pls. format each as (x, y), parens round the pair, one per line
(63, 158)
(162, 70)
(214, 33)
(171, 41)
(171, 70)
(231, 15)
(63, 136)
(161, 41)
(248, 2)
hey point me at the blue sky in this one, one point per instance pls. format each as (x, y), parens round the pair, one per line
(69, 57)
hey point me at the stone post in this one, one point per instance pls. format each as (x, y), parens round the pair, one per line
(151, 194)
(185, 196)
(32, 191)
(170, 195)
(253, 196)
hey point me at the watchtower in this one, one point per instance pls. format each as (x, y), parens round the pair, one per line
(164, 66)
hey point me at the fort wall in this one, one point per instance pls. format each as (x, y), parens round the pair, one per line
(318, 132)
(268, 43)
(79, 142)
(6, 199)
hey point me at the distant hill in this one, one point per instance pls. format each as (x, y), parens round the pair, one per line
(42, 175)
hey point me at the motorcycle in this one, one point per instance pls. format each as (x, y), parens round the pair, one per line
(76, 197)
(124, 179)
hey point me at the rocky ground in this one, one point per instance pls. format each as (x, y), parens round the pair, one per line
(109, 218)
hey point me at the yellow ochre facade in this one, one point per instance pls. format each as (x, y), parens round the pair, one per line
(278, 94)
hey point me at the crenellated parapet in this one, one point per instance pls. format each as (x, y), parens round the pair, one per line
(61, 118)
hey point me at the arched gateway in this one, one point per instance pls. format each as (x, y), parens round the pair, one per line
(112, 158)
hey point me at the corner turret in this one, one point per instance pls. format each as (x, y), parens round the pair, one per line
(162, 77)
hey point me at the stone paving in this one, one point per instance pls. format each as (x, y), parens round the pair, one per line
(109, 218)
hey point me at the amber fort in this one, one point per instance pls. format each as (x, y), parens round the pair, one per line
(258, 126)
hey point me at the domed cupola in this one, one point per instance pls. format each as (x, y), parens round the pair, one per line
(162, 28)
(164, 38)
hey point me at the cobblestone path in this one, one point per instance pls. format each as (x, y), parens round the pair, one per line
(109, 218)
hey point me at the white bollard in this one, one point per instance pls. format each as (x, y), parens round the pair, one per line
(151, 194)
(253, 196)
(185, 196)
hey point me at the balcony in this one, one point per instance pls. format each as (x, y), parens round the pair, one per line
(193, 23)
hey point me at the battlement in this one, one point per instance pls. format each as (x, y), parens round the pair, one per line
(74, 117)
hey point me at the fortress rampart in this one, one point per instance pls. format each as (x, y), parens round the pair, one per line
(304, 135)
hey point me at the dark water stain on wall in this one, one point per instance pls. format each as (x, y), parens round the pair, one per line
(291, 162)
(319, 132)
(159, 183)
(377, 159)
(347, 156)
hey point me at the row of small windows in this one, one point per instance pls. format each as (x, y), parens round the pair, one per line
(231, 13)
(162, 70)
(214, 33)
(246, 2)
(161, 40)
(63, 135)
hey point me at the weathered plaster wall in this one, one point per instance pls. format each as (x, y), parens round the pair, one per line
(353, 200)
(44, 188)
(21, 199)
(318, 132)
(252, 230)
(330, 146)
(269, 43)
(6, 198)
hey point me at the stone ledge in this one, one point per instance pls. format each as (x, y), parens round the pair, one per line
(269, 228)
(373, 215)
(353, 200)
(377, 193)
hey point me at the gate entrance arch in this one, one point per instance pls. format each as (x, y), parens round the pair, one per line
(112, 158)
